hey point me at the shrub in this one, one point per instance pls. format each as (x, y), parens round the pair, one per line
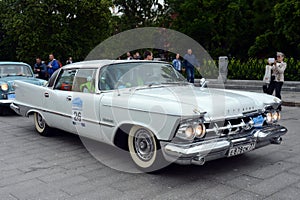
(254, 69)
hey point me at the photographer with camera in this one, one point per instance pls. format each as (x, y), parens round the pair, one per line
(277, 77)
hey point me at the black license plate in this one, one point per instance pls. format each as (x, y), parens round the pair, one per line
(233, 151)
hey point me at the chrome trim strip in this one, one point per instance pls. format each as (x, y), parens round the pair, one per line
(70, 116)
(98, 122)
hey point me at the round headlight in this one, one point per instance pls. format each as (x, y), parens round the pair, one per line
(189, 132)
(276, 116)
(4, 87)
(200, 130)
(269, 118)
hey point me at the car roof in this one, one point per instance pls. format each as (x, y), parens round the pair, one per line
(101, 63)
(12, 63)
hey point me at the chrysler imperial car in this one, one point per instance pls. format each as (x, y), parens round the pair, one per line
(9, 72)
(148, 109)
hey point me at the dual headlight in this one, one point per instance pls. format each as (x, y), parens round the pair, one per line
(273, 117)
(4, 87)
(189, 131)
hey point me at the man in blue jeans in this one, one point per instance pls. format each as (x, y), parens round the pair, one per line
(190, 62)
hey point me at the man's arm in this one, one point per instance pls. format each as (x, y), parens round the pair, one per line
(55, 65)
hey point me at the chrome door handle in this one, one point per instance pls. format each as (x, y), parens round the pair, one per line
(69, 98)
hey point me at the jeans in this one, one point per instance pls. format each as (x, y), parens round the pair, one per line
(190, 74)
(277, 87)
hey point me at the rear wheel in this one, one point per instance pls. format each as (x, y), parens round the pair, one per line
(40, 125)
(145, 150)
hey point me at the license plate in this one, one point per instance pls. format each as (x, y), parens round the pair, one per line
(241, 149)
(11, 96)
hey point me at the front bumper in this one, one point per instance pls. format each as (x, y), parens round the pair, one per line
(7, 99)
(200, 152)
(15, 108)
(5, 102)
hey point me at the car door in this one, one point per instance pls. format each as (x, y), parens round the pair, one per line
(58, 101)
(85, 104)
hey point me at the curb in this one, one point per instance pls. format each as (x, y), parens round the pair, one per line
(291, 104)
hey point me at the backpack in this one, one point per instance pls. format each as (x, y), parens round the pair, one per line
(59, 63)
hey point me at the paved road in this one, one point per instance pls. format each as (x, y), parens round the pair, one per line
(59, 167)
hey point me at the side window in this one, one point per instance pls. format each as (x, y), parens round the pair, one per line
(84, 81)
(65, 80)
(52, 78)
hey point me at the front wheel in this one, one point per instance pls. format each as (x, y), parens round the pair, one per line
(145, 150)
(40, 125)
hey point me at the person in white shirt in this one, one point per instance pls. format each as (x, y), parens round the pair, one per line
(278, 76)
(267, 76)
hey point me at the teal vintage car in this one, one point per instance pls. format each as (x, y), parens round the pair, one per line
(9, 72)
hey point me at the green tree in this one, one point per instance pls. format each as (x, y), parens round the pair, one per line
(281, 33)
(222, 27)
(56, 26)
(287, 17)
(140, 13)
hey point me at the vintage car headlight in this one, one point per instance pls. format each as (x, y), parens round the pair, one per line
(273, 117)
(191, 130)
(4, 87)
(276, 116)
(269, 117)
(200, 130)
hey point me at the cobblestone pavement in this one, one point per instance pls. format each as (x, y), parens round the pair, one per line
(59, 167)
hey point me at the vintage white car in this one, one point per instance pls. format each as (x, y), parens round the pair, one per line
(150, 110)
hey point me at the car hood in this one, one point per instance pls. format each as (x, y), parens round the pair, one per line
(190, 100)
(10, 80)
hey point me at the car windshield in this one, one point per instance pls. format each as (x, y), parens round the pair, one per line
(127, 75)
(15, 70)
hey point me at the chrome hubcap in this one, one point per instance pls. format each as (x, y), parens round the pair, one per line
(143, 144)
(40, 121)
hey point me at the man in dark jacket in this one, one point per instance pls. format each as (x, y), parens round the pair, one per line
(190, 62)
(40, 68)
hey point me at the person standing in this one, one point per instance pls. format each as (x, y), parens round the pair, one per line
(177, 63)
(52, 66)
(190, 62)
(148, 55)
(69, 61)
(137, 56)
(267, 76)
(129, 57)
(278, 75)
(40, 68)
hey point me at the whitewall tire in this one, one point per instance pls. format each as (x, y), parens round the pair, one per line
(145, 150)
(40, 125)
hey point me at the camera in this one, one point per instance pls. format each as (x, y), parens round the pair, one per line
(271, 60)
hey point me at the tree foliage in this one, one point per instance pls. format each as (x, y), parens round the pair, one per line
(140, 13)
(31, 28)
(236, 28)
(240, 28)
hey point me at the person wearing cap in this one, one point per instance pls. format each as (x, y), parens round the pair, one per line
(277, 76)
